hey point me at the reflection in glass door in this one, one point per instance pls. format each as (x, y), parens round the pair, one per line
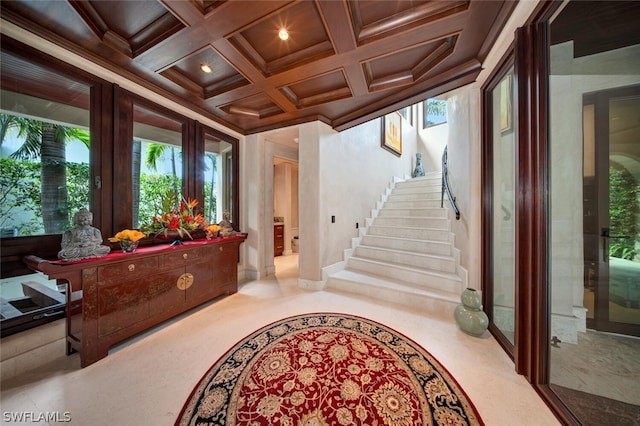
(594, 177)
(503, 202)
(612, 213)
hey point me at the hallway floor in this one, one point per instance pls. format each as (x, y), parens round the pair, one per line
(601, 364)
(146, 380)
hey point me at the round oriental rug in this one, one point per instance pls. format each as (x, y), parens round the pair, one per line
(327, 369)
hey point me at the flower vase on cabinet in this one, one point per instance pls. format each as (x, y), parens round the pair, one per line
(129, 246)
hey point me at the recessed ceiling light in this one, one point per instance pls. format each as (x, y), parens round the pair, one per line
(205, 68)
(283, 34)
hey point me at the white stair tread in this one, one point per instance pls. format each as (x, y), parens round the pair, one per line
(382, 282)
(422, 255)
(439, 274)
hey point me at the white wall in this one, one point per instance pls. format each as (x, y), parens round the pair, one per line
(343, 175)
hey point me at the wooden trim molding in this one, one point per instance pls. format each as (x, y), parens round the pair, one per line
(487, 197)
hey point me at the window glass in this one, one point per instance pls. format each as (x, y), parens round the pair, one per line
(435, 112)
(407, 114)
(44, 140)
(218, 178)
(44, 172)
(157, 163)
(503, 195)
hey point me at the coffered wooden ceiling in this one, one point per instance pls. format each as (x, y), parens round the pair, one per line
(345, 62)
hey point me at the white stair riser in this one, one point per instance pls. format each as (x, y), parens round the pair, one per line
(408, 196)
(419, 278)
(413, 233)
(410, 204)
(430, 304)
(431, 181)
(416, 246)
(413, 222)
(417, 260)
(431, 189)
(415, 212)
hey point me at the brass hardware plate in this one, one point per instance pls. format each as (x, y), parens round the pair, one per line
(185, 281)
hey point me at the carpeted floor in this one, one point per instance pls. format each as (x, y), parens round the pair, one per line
(327, 369)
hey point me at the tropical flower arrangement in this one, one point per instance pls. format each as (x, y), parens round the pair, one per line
(128, 239)
(175, 217)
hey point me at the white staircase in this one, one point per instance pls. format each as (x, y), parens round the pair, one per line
(406, 252)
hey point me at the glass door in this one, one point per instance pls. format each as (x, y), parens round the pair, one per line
(503, 209)
(612, 213)
(593, 156)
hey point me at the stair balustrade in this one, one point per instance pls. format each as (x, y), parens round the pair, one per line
(445, 186)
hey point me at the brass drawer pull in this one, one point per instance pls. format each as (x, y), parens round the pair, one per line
(185, 255)
(131, 267)
(185, 281)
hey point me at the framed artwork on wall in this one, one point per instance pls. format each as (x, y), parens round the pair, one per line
(391, 134)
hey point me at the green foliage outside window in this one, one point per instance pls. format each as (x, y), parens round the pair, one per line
(623, 211)
(154, 187)
(20, 199)
(20, 193)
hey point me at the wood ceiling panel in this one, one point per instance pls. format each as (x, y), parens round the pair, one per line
(307, 39)
(188, 73)
(206, 6)
(258, 106)
(407, 66)
(375, 19)
(129, 26)
(322, 89)
(345, 62)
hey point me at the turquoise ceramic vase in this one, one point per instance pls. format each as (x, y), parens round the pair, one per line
(469, 314)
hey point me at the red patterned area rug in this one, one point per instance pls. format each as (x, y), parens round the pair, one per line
(328, 369)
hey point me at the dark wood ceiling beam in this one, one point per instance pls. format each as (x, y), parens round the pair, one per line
(232, 17)
(393, 81)
(117, 42)
(212, 29)
(280, 99)
(452, 79)
(335, 16)
(430, 11)
(224, 85)
(310, 54)
(166, 53)
(437, 56)
(189, 13)
(160, 29)
(242, 45)
(183, 80)
(356, 79)
(496, 28)
(91, 17)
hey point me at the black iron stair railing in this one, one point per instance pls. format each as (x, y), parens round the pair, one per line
(445, 186)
